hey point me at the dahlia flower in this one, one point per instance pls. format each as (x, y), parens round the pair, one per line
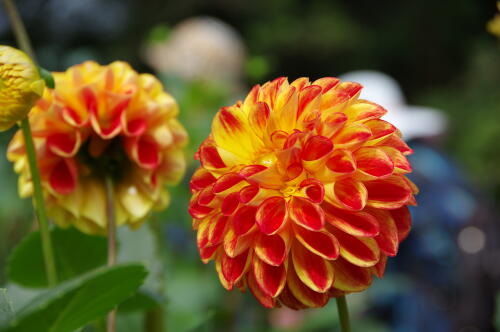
(103, 121)
(301, 195)
(20, 86)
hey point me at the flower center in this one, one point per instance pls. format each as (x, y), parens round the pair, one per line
(104, 158)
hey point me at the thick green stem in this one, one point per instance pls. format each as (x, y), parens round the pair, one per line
(110, 212)
(345, 325)
(48, 253)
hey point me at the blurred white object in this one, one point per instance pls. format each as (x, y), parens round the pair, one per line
(200, 48)
(412, 121)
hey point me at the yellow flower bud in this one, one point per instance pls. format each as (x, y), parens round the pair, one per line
(20, 86)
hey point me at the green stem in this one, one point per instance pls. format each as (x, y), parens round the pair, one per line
(48, 252)
(111, 227)
(343, 314)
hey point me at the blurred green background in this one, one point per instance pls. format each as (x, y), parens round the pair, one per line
(439, 51)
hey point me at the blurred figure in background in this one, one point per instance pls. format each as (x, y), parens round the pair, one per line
(444, 276)
(200, 48)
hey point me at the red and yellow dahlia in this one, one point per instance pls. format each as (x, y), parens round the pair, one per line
(301, 194)
(98, 122)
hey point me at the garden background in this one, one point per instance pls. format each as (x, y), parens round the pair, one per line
(440, 53)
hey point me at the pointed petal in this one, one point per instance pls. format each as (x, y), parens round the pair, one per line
(64, 144)
(388, 193)
(271, 249)
(271, 215)
(304, 294)
(347, 194)
(380, 129)
(402, 219)
(354, 223)
(306, 214)
(230, 203)
(326, 83)
(373, 162)
(231, 270)
(364, 110)
(350, 278)
(264, 299)
(287, 299)
(314, 271)
(360, 251)
(312, 189)
(320, 243)
(341, 161)
(400, 162)
(309, 100)
(235, 245)
(231, 132)
(387, 239)
(258, 117)
(229, 182)
(64, 176)
(379, 268)
(244, 219)
(210, 157)
(201, 179)
(352, 136)
(271, 279)
(315, 152)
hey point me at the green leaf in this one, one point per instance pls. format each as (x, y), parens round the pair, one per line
(141, 301)
(6, 312)
(75, 253)
(47, 77)
(79, 301)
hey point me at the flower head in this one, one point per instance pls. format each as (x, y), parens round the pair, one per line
(20, 86)
(103, 121)
(301, 194)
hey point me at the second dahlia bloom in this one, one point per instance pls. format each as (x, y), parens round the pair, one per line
(20, 86)
(301, 194)
(103, 121)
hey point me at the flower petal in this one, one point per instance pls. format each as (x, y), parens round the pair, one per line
(349, 277)
(271, 215)
(320, 243)
(347, 194)
(271, 279)
(312, 189)
(373, 161)
(354, 223)
(244, 219)
(306, 214)
(365, 110)
(63, 176)
(402, 219)
(201, 179)
(264, 299)
(360, 251)
(387, 239)
(228, 182)
(271, 249)
(314, 271)
(388, 193)
(235, 244)
(232, 269)
(303, 293)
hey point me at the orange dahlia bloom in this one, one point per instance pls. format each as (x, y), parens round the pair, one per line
(103, 121)
(301, 194)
